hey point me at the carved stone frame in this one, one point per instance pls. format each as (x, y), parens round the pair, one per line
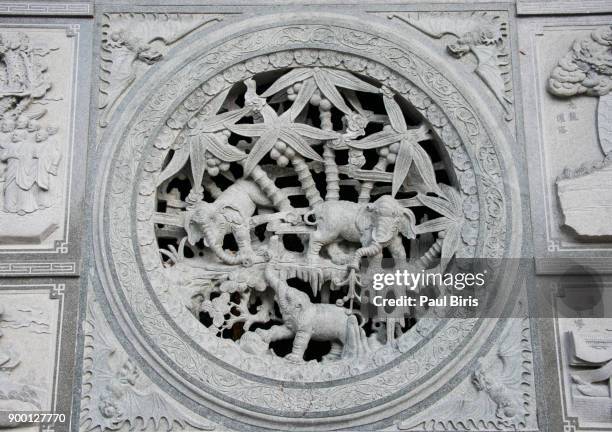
(63, 364)
(63, 258)
(125, 248)
(554, 255)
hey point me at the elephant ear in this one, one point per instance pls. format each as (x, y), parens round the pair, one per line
(363, 220)
(194, 231)
(407, 224)
(232, 214)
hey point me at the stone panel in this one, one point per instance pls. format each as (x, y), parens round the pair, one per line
(582, 330)
(44, 146)
(568, 171)
(185, 100)
(38, 322)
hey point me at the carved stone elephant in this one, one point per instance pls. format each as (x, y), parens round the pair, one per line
(374, 226)
(229, 213)
(305, 320)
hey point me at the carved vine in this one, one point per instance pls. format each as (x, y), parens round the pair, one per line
(457, 120)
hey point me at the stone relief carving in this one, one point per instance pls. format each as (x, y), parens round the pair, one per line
(29, 154)
(586, 369)
(235, 123)
(319, 242)
(495, 396)
(133, 41)
(32, 145)
(116, 393)
(585, 70)
(19, 390)
(484, 34)
(32, 157)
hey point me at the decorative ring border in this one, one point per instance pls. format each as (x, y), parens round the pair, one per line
(125, 173)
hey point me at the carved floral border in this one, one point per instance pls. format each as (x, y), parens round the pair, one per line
(136, 148)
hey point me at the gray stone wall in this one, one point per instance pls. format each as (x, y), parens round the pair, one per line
(187, 190)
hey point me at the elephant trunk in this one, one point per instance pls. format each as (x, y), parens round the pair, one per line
(384, 229)
(217, 248)
(366, 251)
(279, 286)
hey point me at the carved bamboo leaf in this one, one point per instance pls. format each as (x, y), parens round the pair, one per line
(290, 78)
(220, 121)
(248, 130)
(198, 148)
(454, 198)
(423, 164)
(303, 96)
(402, 165)
(221, 150)
(349, 81)
(435, 225)
(379, 139)
(351, 96)
(396, 116)
(328, 88)
(263, 145)
(312, 132)
(439, 205)
(177, 162)
(299, 145)
(450, 245)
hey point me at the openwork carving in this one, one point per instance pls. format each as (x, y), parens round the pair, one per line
(224, 187)
(306, 171)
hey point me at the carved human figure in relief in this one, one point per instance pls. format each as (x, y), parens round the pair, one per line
(22, 72)
(31, 161)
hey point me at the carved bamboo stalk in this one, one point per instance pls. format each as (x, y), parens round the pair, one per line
(332, 178)
(433, 252)
(277, 196)
(305, 178)
(366, 187)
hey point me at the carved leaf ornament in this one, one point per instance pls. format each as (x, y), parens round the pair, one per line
(297, 127)
(244, 190)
